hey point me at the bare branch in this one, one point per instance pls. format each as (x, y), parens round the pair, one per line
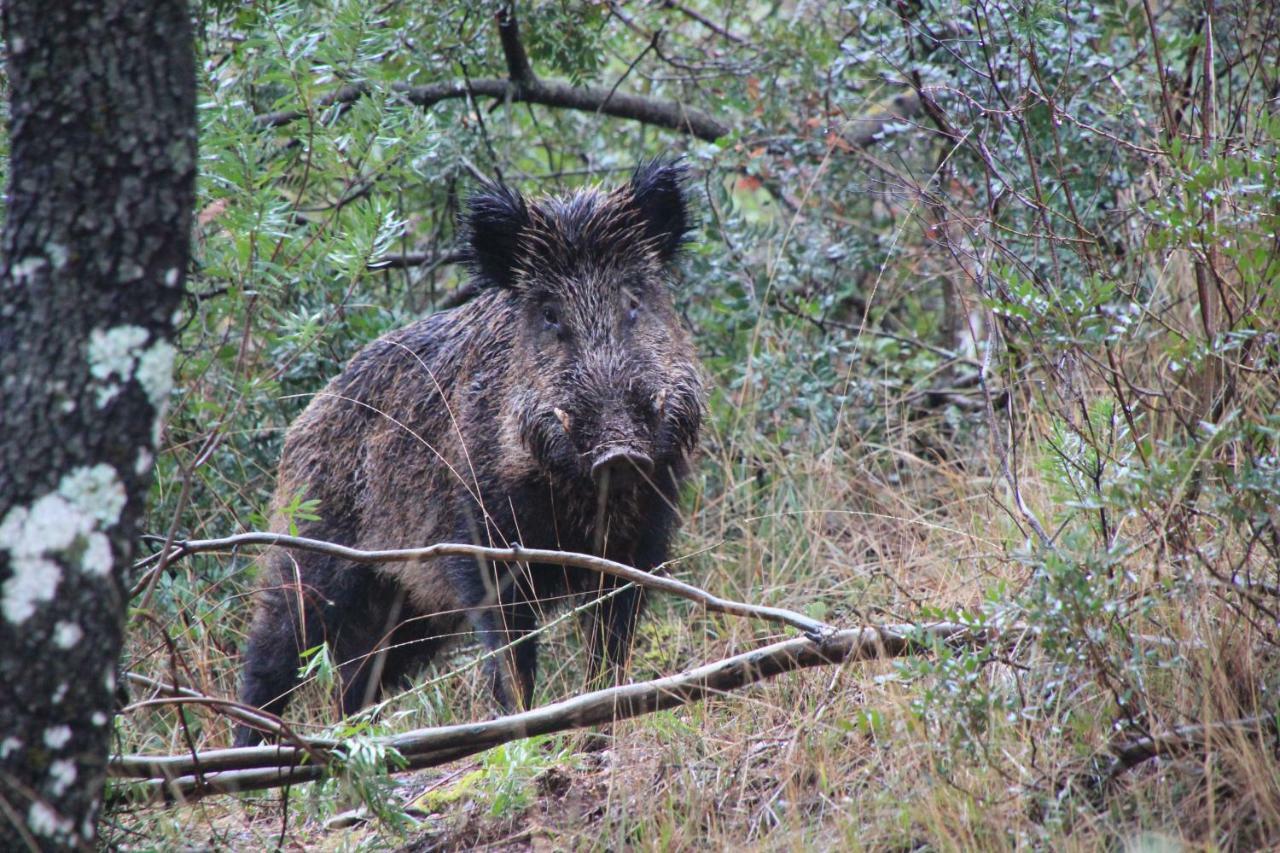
(860, 131)
(551, 93)
(518, 67)
(811, 627)
(463, 294)
(172, 777)
(341, 96)
(1001, 441)
(236, 710)
(704, 20)
(430, 260)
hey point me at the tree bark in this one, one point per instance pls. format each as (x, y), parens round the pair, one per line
(95, 248)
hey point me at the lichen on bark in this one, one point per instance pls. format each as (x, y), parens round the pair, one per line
(97, 221)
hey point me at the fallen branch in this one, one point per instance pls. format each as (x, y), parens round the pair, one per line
(1184, 740)
(811, 627)
(174, 777)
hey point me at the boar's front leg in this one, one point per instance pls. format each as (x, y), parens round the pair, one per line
(513, 669)
(610, 626)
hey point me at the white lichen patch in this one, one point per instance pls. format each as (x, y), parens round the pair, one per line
(34, 580)
(155, 373)
(144, 461)
(96, 557)
(61, 774)
(57, 254)
(130, 270)
(9, 746)
(106, 393)
(114, 351)
(43, 820)
(68, 521)
(60, 693)
(117, 355)
(67, 634)
(96, 492)
(87, 828)
(171, 278)
(26, 268)
(98, 718)
(56, 737)
(50, 524)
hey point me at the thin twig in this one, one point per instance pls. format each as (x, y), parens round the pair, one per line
(254, 717)
(652, 45)
(1002, 448)
(705, 21)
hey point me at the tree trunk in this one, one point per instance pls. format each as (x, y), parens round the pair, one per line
(95, 248)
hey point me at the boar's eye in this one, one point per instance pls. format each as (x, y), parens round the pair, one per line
(633, 308)
(551, 318)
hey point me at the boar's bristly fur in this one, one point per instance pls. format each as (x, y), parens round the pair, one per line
(557, 409)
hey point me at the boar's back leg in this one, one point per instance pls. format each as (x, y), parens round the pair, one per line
(507, 630)
(383, 645)
(316, 600)
(362, 646)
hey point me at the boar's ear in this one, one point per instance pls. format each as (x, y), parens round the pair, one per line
(657, 190)
(495, 216)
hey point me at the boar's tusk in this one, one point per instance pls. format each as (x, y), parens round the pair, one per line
(660, 400)
(563, 418)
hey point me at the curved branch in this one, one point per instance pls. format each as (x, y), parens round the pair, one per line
(550, 93)
(233, 709)
(429, 260)
(228, 770)
(811, 627)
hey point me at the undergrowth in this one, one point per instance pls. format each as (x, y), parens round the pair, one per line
(1012, 362)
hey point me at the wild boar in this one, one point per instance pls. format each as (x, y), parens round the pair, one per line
(559, 409)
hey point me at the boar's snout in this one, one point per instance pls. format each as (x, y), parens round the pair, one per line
(619, 468)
